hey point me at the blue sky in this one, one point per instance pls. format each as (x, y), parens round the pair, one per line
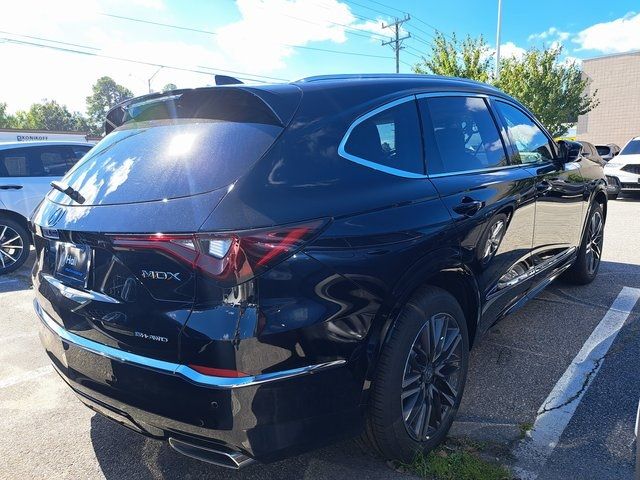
(263, 38)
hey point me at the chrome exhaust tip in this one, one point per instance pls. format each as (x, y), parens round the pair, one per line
(220, 456)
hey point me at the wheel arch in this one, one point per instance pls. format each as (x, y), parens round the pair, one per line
(16, 217)
(448, 273)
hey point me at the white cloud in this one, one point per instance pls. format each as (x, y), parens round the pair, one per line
(620, 35)
(262, 38)
(569, 60)
(511, 50)
(551, 33)
(256, 43)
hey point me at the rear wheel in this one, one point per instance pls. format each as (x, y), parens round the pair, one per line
(14, 245)
(586, 266)
(420, 377)
(612, 196)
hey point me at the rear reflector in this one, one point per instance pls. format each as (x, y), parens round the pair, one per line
(231, 258)
(218, 372)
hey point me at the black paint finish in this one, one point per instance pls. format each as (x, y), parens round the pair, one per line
(333, 299)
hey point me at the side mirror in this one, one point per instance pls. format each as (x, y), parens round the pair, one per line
(569, 151)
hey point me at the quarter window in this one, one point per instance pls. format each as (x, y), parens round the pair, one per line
(529, 140)
(390, 138)
(463, 133)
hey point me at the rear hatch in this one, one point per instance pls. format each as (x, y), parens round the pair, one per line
(107, 267)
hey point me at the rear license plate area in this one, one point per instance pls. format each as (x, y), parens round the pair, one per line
(72, 264)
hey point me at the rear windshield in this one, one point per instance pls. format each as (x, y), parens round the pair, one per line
(164, 159)
(602, 150)
(632, 148)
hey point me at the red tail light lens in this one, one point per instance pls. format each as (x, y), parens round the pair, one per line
(230, 257)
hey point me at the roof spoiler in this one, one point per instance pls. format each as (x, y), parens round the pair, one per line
(235, 103)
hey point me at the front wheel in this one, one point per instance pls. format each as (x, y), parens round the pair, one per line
(14, 245)
(587, 263)
(420, 377)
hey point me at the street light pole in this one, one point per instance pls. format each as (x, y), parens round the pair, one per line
(497, 67)
(151, 78)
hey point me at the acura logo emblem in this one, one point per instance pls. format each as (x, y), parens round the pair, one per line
(55, 217)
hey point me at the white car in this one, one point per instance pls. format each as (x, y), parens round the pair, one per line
(26, 173)
(623, 171)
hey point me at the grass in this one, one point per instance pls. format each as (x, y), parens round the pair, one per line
(524, 428)
(457, 460)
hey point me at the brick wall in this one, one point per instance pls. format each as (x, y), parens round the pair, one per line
(617, 118)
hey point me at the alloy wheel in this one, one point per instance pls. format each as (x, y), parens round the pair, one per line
(11, 246)
(594, 242)
(493, 241)
(431, 379)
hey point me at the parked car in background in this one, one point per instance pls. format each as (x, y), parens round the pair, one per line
(623, 172)
(589, 151)
(26, 172)
(250, 272)
(608, 151)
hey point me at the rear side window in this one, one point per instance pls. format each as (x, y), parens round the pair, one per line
(50, 161)
(79, 152)
(463, 133)
(530, 142)
(389, 138)
(14, 162)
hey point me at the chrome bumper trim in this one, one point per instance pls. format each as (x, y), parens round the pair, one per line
(171, 368)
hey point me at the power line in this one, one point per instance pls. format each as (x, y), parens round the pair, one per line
(209, 32)
(243, 76)
(50, 41)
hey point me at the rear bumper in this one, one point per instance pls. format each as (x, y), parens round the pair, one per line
(264, 417)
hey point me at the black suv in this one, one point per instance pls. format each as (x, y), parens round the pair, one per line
(253, 271)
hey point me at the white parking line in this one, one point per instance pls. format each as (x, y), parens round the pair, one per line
(26, 376)
(556, 411)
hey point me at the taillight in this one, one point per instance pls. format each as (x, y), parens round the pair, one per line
(231, 258)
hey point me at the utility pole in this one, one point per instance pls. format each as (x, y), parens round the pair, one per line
(396, 42)
(497, 69)
(151, 78)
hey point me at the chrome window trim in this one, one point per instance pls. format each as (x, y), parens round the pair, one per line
(406, 174)
(368, 163)
(170, 368)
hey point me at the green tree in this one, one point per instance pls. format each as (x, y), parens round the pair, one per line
(168, 87)
(106, 94)
(6, 120)
(49, 115)
(469, 59)
(554, 91)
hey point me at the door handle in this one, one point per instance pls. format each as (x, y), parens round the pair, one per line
(10, 187)
(543, 186)
(468, 206)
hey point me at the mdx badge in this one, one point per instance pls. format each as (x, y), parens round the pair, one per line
(156, 275)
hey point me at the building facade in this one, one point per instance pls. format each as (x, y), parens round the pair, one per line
(617, 118)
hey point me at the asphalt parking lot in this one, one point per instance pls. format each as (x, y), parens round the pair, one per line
(46, 433)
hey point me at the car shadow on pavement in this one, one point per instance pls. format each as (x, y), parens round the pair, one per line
(20, 279)
(512, 370)
(124, 454)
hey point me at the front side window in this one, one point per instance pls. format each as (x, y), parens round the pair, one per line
(463, 133)
(390, 138)
(531, 143)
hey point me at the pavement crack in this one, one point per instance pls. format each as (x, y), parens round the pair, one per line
(578, 394)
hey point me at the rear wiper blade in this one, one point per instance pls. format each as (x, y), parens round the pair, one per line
(70, 192)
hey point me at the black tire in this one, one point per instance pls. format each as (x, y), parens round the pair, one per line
(14, 251)
(587, 263)
(387, 432)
